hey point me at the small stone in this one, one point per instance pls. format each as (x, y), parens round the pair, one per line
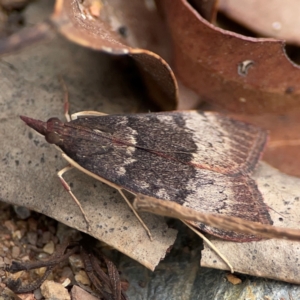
(49, 248)
(46, 237)
(42, 256)
(25, 258)
(17, 235)
(38, 294)
(76, 262)
(67, 273)
(32, 237)
(6, 260)
(32, 224)
(40, 271)
(81, 277)
(10, 225)
(78, 293)
(27, 296)
(66, 282)
(22, 212)
(39, 242)
(54, 291)
(5, 248)
(233, 279)
(2, 286)
(22, 225)
(15, 253)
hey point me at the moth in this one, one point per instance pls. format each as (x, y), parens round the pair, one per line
(200, 160)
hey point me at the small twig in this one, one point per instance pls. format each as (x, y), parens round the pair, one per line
(54, 260)
(17, 287)
(89, 268)
(17, 266)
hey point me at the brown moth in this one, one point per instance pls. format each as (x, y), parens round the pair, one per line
(201, 160)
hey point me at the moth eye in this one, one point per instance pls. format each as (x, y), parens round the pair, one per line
(53, 138)
(54, 121)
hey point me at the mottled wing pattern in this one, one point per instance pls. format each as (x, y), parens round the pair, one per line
(199, 160)
(236, 196)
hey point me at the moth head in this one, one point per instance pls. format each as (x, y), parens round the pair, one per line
(50, 129)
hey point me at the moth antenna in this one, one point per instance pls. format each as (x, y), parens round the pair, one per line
(66, 99)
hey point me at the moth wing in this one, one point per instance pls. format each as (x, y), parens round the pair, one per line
(159, 155)
(205, 140)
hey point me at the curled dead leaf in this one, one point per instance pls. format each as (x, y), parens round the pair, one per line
(118, 29)
(238, 73)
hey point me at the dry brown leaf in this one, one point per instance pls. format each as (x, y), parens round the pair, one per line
(273, 18)
(207, 9)
(122, 28)
(236, 72)
(276, 259)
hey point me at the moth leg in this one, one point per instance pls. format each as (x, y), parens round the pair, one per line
(210, 244)
(66, 99)
(136, 214)
(68, 189)
(77, 166)
(87, 113)
(67, 106)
